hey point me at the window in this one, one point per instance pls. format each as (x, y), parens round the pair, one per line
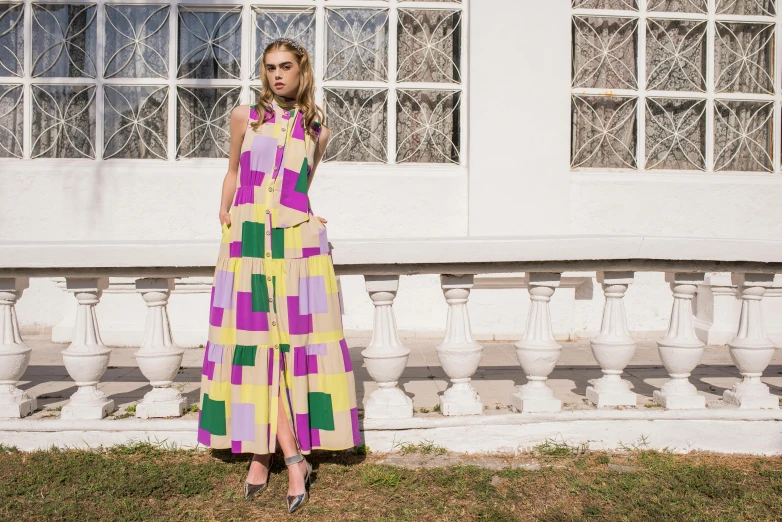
(106, 80)
(674, 85)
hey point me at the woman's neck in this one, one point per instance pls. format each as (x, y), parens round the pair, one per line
(284, 101)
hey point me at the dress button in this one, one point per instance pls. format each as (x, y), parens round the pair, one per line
(271, 299)
(271, 189)
(284, 129)
(268, 278)
(268, 211)
(274, 323)
(268, 232)
(268, 254)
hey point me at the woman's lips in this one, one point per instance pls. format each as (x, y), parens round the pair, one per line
(279, 85)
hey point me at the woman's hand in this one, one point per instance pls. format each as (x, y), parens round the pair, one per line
(225, 218)
(322, 220)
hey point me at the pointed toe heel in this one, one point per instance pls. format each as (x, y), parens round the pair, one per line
(251, 490)
(294, 502)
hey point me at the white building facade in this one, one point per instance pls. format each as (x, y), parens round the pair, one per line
(472, 119)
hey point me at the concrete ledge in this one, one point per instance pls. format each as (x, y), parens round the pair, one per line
(430, 255)
(723, 430)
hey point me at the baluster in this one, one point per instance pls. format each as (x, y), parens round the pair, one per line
(385, 356)
(459, 354)
(537, 351)
(680, 349)
(159, 358)
(86, 358)
(14, 354)
(717, 315)
(613, 347)
(751, 349)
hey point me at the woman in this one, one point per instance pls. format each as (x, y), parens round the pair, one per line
(276, 366)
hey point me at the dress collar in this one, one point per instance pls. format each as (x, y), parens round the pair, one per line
(284, 102)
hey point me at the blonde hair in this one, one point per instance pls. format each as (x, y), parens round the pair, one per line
(305, 98)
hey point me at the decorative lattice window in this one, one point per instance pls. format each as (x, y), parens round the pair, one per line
(675, 85)
(157, 80)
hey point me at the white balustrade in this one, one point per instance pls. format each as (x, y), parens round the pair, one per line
(14, 354)
(751, 349)
(385, 356)
(459, 354)
(159, 358)
(537, 351)
(680, 349)
(613, 347)
(717, 309)
(86, 358)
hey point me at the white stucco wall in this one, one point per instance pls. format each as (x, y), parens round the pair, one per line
(517, 182)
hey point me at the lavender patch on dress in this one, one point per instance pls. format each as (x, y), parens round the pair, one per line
(224, 288)
(243, 421)
(312, 295)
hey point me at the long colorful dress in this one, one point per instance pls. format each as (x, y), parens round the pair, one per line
(275, 315)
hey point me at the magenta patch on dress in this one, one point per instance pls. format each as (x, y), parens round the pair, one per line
(298, 127)
(246, 319)
(303, 431)
(236, 374)
(278, 162)
(235, 249)
(289, 196)
(208, 369)
(312, 364)
(312, 295)
(297, 324)
(242, 421)
(244, 167)
(270, 367)
(315, 438)
(299, 361)
(236, 446)
(253, 113)
(244, 194)
(269, 116)
(346, 355)
(204, 437)
(309, 252)
(354, 424)
(216, 316)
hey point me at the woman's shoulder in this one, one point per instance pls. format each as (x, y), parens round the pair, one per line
(240, 113)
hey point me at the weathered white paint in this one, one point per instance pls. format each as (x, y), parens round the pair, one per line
(517, 182)
(613, 348)
(459, 354)
(723, 430)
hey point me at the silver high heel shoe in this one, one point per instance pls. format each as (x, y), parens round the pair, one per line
(250, 490)
(296, 501)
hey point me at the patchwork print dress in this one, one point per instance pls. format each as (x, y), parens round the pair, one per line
(275, 314)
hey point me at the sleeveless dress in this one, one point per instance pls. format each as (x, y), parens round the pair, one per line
(275, 315)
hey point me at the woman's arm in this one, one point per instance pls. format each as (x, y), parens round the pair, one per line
(320, 149)
(239, 118)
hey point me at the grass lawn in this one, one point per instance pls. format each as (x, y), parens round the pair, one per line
(145, 482)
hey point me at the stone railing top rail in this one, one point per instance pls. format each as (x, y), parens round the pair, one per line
(408, 256)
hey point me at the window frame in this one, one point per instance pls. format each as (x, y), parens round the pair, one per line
(245, 81)
(710, 96)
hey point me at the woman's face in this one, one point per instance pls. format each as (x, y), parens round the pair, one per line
(282, 72)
